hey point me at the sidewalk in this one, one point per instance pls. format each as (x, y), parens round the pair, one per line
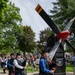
(35, 73)
(69, 73)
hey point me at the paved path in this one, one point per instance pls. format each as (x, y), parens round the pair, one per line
(1, 73)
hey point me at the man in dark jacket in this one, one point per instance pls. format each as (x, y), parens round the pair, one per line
(44, 65)
(19, 65)
(10, 64)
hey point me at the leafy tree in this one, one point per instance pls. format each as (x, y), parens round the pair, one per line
(12, 34)
(63, 11)
(9, 26)
(26, 41)
(3, 5)
(44, 35)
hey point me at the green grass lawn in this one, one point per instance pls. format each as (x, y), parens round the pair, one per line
(31, 69)
(28, 69)
(69, 68)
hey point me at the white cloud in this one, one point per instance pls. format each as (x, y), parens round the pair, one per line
(30, 16)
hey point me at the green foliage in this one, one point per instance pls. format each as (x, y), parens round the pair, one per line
(70, 68)
(31, 69)
(68, 49)
(13, 36)
(44, 35)
(26, 41)
(3, 5)
(12, 20)
(63, 11)
(9, 25)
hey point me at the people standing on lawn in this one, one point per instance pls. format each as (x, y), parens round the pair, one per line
(31, 60)
(4, 64)
(44, 65)
(73, 59)
(36, 62)
(0, 60)
(10, 65)
(20, 65)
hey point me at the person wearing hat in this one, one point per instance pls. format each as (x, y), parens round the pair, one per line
(19, 68)
(43, 64)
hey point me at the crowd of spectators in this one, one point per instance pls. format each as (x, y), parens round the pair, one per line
(29, 59)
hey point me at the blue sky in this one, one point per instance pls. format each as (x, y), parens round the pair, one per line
(30, 16)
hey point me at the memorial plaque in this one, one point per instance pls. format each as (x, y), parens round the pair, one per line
(60, 62)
